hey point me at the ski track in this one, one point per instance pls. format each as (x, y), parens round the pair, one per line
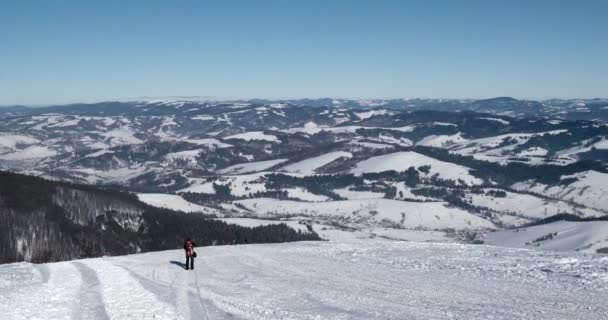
(315, 280)
(125, 297)
(91, 302)
(42, 292)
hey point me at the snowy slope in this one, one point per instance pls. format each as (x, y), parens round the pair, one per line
(314, 280)
(424, 215)
(559, 236)
(401, 161)
(254, 135)
(441, 141)
(530, 206)
(589, 189)
(172, 201)
(309, 166)
(250, 167)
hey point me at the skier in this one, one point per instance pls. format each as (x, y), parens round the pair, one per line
(190, 254)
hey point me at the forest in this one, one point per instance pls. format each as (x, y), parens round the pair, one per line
(45, 221)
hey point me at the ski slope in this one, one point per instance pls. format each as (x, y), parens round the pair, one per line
(314, 280)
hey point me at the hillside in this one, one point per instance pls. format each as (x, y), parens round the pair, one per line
(42, 221)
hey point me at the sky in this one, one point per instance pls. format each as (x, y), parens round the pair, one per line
(64, 51)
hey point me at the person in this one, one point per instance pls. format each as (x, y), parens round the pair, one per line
(189, 248)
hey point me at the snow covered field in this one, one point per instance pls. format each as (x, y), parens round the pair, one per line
(587, 236)
(314, 280)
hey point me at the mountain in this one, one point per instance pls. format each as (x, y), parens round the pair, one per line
(395, 169)
(314, 280)
(44, 221)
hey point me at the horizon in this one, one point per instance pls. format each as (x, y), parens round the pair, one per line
(214, 99)
(69, 51)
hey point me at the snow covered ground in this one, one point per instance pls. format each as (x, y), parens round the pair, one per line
(411, 215)
(589, 189)
(250, 167)
(173, 202)
(309, 166)
(314, 280)
(586, 236)
(401, 161)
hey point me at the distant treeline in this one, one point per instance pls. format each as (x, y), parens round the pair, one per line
(564, 217)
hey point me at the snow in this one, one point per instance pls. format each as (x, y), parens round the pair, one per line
(529, 206)
(411, 235)
(252, 223)
(565, 236)
(12, 140)
(314, 280)
(305, 195)
(117, 175)
(31, 152)
(411, 215)
(371, 113)
(589, 189)
(349, 194)
(254, 135)
(98, 153)
(171, 201)
(371, 145)
(210, 142)
(240, 186)
(187, 155)
(122, 136)
(534, 152)
(501, 121)
(249, 167)
(441, 141)
(309, 129)
(401, 161)
(309, 166)
(65, 123)
(203, 118)
(584, 146)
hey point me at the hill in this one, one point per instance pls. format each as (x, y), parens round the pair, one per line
(42, 221)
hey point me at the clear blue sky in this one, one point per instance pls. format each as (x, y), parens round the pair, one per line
(67, 51)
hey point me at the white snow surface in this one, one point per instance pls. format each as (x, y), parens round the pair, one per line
(401, 161)
(250, 167)
(172, 201)
(254, 135)
(309, 166)
(530, 206)
(441, 141)
(589, 189)
(314, 280)
(411, 215)
(501, 121)
(585, 236)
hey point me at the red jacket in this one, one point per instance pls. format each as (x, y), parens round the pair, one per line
(189, 248)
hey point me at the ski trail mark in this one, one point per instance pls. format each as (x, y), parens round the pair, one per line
(180, 286)
(91, 303)
(56, 289)
(125, 297)
(198, 294)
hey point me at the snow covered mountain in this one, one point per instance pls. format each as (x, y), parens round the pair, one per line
(314, 280)
(397, 169)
